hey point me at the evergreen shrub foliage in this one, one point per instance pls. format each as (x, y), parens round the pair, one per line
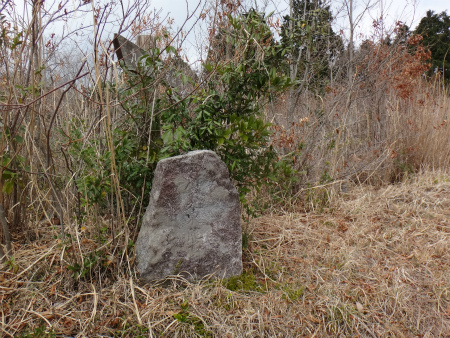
(221, 111)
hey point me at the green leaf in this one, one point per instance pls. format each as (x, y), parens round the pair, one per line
(7, 175)
(18, 139)
(167, 137)
(8, 187)
(179, 133)
(184, 79)
(208, 67)
(171, 49)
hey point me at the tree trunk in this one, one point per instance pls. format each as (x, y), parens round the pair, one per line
(6, 233)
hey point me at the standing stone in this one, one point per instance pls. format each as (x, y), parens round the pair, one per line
(127, 51)
(193, 223)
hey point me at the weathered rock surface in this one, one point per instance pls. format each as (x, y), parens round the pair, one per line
(192, 224)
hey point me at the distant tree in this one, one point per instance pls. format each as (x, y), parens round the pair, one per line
(435, 29)
(402, 33)
(308, 30)
(224, 45)
(311, 45)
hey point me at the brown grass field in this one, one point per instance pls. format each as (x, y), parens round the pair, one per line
(375, 262)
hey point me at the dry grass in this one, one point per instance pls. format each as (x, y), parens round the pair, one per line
(373, 140)
(374, 263)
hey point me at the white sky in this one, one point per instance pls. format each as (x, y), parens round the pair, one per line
(395, 8)
(408, 11)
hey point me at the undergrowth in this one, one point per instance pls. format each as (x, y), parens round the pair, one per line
(373, 256)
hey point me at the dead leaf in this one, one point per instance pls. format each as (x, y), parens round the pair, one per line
(359, 307)
(409, 257)
(68, 325)
(342, 227)
(313, 319)
(378, 319)
(48, 315)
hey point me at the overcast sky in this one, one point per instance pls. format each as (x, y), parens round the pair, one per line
(408, 11)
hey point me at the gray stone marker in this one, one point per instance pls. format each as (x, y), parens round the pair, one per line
(130, 54)
(193, 222)
(127, 51)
